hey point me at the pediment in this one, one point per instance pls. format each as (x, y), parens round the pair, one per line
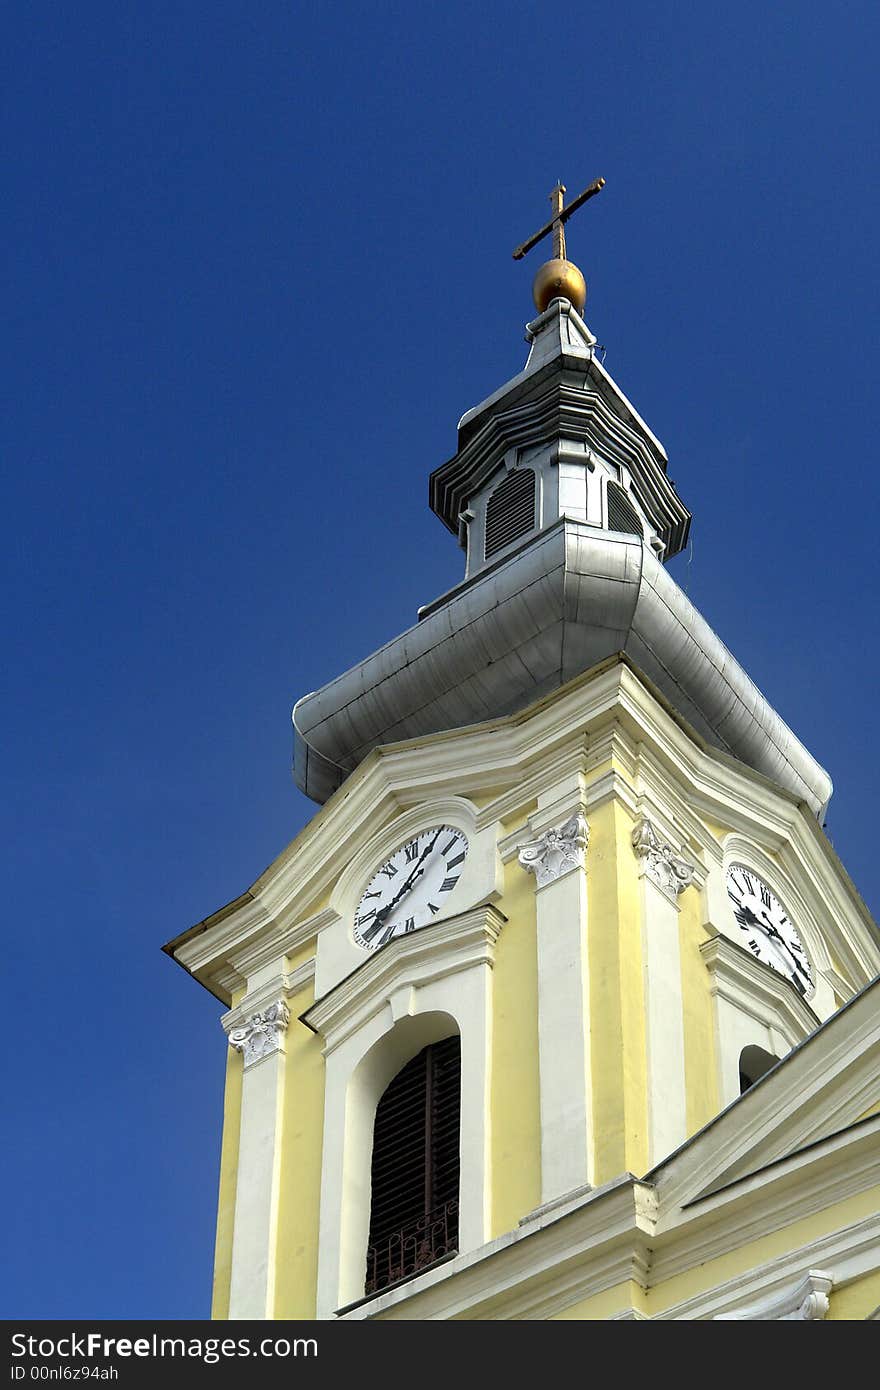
(820, 1096)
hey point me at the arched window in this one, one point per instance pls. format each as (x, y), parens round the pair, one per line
(415, 1168)
(753, 1063)
(510, 511)
(622, 515)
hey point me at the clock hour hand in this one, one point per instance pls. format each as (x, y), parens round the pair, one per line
(769, 930)
(417, 870)
(776, 935)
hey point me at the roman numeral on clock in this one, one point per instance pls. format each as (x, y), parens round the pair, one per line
(449, 883)
(389, 870)
(459, 859)
(765, 895)
(411, 851)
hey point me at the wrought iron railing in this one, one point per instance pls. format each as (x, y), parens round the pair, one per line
(406, 1252)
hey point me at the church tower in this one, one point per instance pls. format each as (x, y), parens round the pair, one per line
(562, 1004)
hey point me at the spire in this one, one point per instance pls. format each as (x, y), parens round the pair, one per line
(559, 278)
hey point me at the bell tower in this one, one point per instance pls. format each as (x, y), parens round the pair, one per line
(566, 908)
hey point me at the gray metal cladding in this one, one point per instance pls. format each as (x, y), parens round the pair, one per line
(570, 597)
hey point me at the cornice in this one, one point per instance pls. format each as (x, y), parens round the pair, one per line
(407, 962)
(756, 988)
(610, 710)
(286, 985)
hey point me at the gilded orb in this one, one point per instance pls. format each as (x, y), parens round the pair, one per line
(559, 279)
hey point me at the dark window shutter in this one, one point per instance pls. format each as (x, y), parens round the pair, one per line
(510, 511)
(622, 515)
(415, 1171)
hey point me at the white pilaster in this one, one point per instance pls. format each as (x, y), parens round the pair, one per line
(664, 874)
(556, 858)
(259, 1037)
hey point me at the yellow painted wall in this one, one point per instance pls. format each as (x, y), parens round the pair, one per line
(617, 1007)
(856, 1301)
(301, 1146)
(604, 1305)
(700, 1070)
(515, 1118)
(751, 1255)
(228, 1176)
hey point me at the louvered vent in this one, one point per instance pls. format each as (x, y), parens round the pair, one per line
(414, 1208)
(622, 515)
(510, 511)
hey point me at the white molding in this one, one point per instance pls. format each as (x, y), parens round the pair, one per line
(286, 941)
(538, 1269)
(607, 708)
(281, 984)
(407, 962)
(571, 758)
(754, 1005)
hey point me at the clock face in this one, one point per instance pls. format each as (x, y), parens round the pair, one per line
(769, 934)
(411, 887)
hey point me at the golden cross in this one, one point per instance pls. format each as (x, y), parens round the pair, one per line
(556, 225)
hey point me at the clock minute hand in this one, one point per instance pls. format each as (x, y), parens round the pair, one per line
(418, 868)
(774, 933)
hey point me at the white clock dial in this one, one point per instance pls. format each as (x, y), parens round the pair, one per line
(410, 888)
(769, 934)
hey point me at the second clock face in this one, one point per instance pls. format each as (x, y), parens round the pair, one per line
(410, 888)
(769, 934)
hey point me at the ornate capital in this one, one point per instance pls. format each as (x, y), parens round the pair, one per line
(261, 1033)
(660, 862)
(556, 852)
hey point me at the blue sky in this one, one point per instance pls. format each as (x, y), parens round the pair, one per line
(258, 264)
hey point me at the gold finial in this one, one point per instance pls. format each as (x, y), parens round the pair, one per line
(559, 278)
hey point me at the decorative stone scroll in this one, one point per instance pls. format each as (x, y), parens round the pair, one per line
(660, 863)
(261, 1034)
(809, 1302)
(556, 852)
